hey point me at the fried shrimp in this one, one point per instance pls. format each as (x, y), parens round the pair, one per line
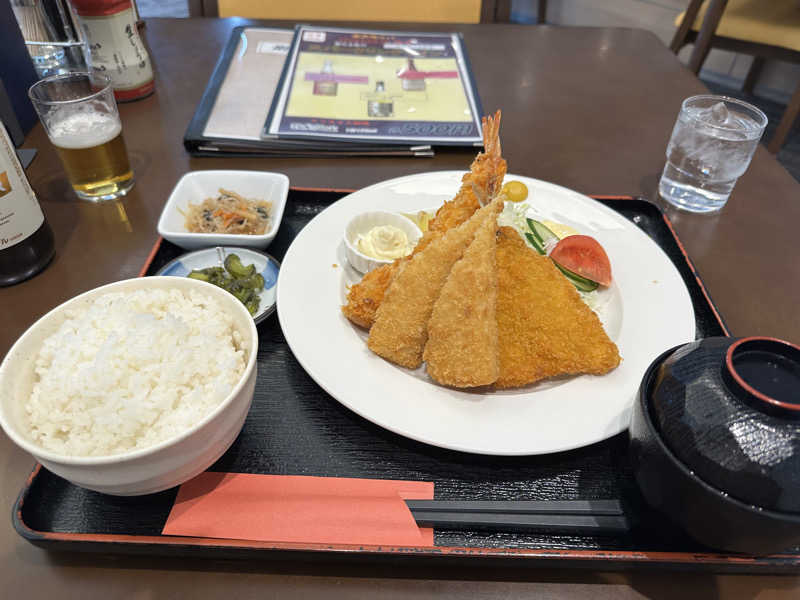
(481, 184)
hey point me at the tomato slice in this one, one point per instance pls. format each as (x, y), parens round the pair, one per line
(585, 256)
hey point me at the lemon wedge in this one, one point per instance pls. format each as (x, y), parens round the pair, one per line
(560, 229)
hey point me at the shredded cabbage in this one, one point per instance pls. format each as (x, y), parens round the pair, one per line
(514, 214)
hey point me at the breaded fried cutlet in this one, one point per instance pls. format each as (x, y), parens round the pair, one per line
(364, 298)
(462, 347)
(400, 329)
(544, 328)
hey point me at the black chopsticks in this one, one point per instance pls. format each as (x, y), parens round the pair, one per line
(570, 517)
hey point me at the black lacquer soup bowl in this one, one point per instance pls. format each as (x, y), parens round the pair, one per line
(715, 441)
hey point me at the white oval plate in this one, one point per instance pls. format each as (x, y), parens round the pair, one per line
(648, 310)
(208, 257)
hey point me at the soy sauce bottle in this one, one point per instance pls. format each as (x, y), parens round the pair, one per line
(116, 47)
(26, 240)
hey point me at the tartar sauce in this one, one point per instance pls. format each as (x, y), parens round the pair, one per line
(384, 242)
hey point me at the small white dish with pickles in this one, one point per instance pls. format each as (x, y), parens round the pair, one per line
(239, 263)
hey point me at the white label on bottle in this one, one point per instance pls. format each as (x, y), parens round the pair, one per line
(117, 49)
(20, 215)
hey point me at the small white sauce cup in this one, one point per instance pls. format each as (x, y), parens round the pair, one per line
(365, 222)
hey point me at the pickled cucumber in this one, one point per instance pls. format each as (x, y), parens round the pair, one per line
(240, 280)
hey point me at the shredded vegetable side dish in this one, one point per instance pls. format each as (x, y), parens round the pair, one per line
(229, 213)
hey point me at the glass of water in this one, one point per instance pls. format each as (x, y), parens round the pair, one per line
(711, 146)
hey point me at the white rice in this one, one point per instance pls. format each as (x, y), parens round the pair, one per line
(131, 370)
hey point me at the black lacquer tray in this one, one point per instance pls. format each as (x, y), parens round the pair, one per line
(295, 428)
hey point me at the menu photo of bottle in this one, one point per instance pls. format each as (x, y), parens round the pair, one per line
(26, 240)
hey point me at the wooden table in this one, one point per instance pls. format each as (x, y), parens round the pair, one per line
(587, 108)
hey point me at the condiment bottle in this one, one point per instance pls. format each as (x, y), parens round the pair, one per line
(26, 240)
(115, 45)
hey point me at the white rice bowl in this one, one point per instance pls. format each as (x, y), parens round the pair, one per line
(131, 370)
(132, 387)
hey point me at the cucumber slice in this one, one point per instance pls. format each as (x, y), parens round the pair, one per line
(534, 241)
(583, 284)
(535, 233)
(542, 232)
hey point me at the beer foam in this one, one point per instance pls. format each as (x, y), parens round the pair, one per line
(84, 130)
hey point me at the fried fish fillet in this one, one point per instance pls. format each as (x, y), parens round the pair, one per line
(462, 347)
(544, 328)
(478, 186)
(400, 329)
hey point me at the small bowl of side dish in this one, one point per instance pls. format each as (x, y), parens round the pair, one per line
(263, 264)
(195, 187)
(133, 387)
(377, 238)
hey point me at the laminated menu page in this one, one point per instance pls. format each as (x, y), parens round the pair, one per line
(379, 87)
(236, 101)
(248, 85)
(229, 119)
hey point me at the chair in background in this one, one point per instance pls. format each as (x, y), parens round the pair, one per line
(763, 29)
(441, 11)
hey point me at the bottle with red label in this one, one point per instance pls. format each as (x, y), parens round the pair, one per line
(115, 45)
(26, 240)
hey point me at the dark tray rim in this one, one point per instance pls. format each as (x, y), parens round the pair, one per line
(506, 557)
(231, 548)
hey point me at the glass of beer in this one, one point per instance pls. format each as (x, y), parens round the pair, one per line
(80, 116)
